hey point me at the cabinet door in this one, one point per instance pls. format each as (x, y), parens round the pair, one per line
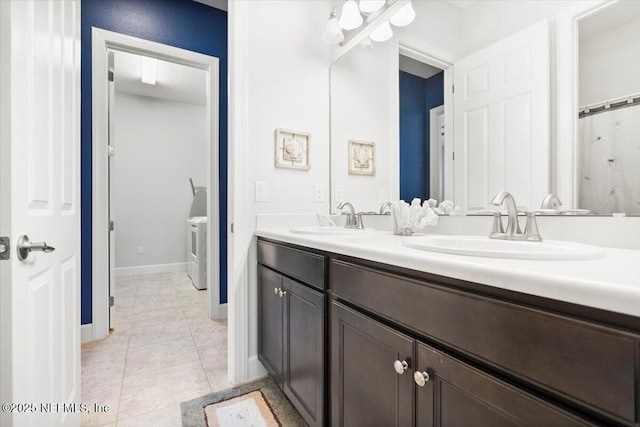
(457, 394)
(270, 322)
(366, 390)
(304, 332)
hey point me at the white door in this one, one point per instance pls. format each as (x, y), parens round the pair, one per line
(501, 121)
(40, 198)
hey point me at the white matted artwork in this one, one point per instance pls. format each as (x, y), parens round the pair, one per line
(362, 158)
(292, 149)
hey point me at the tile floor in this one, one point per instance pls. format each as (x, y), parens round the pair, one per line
(163, 351)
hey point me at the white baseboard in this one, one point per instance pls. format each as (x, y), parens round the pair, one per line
(256, 369)
(222, 313)
(151, 269)
(86, 332)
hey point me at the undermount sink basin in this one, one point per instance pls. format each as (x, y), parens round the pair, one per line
(333, 231)
(494, 248)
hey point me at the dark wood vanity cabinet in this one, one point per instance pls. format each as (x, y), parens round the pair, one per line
(407, 348)
(291, 328)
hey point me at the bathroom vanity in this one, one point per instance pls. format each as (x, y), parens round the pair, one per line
(363, 331)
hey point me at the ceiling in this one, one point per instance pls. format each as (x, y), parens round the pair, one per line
(218, 4)
(608, 18)
(175, 82)
(462, 4)
(417, 68)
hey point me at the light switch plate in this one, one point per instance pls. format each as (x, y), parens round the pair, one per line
(261, 192)
(339, 197)
(318, 193)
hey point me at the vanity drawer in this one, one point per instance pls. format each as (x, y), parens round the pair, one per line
(588, 364)
(305, 266)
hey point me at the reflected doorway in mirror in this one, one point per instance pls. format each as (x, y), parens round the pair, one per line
(292, 149)
(362, 158)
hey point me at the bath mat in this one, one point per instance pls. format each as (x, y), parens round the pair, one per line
(248, 410)
(193, 411)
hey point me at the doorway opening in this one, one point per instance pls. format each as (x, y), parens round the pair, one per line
(422, 129)
(156, 279)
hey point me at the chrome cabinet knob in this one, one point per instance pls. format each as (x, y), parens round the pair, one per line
(25, 247)
(400, 366)
(282, 293)
(421, 378)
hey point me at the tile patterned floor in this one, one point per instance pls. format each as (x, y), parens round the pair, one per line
(163, 351)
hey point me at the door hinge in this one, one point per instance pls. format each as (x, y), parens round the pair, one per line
(453, 88)
(110, 150)
(5, 248)
(232, 227)
(112, 301)
(110, 76)
(112, 225)
(453, 156)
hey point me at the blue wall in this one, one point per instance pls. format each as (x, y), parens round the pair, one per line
(181, 23)
(417, 97)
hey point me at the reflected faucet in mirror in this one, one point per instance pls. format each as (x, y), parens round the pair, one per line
(551, 201)
(385, 209)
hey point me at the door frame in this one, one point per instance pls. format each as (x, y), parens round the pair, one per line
(437, 57)
(101, 41)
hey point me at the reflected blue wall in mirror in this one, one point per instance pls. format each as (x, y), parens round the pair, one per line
(417, 97)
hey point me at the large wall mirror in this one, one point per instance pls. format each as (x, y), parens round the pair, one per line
(446, 109)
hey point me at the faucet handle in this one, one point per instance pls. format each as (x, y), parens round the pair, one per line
(497, 228)
(358, 221)
(531, 232)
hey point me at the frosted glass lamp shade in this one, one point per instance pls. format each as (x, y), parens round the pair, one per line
(370, 6)
(404, 16)
(382, 33)
(332, 32)
(351, 18)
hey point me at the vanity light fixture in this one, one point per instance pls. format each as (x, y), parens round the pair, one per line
(333, 32)
(148, 70)
(404, 16)
(370, 6)
(351, 17)
(382, 33)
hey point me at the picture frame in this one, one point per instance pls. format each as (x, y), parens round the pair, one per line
(292, 149)
(362, 158)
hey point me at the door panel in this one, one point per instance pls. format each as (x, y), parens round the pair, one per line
(304, 333)
(365, 388)
(458, 395)
(501, 120)
(270, 322)
(42, 295)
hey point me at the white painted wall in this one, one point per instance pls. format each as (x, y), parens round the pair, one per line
(159, 145)
(283, 83)
(362, 109)
(609, 64)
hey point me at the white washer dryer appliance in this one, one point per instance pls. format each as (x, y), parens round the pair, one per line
(197, 251)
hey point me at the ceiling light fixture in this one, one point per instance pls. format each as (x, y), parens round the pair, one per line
(370, 6)
(404, 16)
(351, 18)
(382, 33)
(148, 70)
(333, 32)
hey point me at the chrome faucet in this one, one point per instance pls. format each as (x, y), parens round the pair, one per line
(513, 232)
(354, 220)
(551, 201)
(513, 226)
(384, 206)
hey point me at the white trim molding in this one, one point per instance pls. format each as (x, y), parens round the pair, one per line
(86, 333)
(178, 267)
(563, 173)
(102, 41)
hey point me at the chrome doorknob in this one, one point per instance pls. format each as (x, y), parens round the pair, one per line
(400, 366)
(421, 378)
(25, 247)
(282, 293)
(275, 290)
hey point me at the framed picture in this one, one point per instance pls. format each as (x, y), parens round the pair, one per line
(292, 149)
(362, 158)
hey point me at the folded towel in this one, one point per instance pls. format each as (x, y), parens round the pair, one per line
(408, 219)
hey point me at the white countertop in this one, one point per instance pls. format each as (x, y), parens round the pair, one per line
(609, 283)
